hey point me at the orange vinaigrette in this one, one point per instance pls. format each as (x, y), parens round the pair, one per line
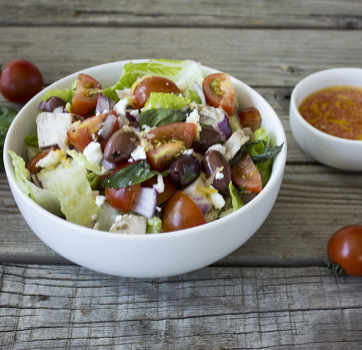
(336, 110)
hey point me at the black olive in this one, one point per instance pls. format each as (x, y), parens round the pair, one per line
(120, 146)
(184, 170)
(208, 137)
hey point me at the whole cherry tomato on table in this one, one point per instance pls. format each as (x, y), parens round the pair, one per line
(20, 81)
(344, 251)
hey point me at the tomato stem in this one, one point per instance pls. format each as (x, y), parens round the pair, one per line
(334, 269)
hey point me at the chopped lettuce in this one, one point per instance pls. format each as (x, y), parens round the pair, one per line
(66, 95)
(81, 159)
(31, 145)
(237, 202)
(107, 217)
(164, 100)
(94, 180)
(176, 71)
(154, 225)
(46, 199)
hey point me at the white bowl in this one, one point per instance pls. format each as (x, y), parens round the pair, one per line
(327, 149)
(153, 255)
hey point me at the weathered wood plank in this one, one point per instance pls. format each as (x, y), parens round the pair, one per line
(339, 14)
(258, 57)
(314, 201)
(215, 308)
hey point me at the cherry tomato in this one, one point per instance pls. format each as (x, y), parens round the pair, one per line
(250, 117)
(170, 188)
(31, 166)
(219, 91)
(175, 131)
(85, 98)
(122, 198)
(245, 173)
(345, 249)
(20, 80)
(152, 84)
(181, 212)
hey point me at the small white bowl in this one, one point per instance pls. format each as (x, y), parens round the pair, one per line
(151, 255)
(330, 150)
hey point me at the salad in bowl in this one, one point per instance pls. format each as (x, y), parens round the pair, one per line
(164, 149)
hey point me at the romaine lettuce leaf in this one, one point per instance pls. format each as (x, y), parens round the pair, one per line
(176, 71)
(82, 161)
(164, 100)
(66, 95)
(107, 217)
(31, 145)
(237, 202)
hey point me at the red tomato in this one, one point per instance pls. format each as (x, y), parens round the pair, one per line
(122, 198)
(219, 91)
(181, 212)
(31, 166)
(345, 249)
(152, 84)
(85, 98)
(245, 173)
(80, 134)
(20, 80)
(175, 131)
(159, 157)
(250, 117)
(170, 188)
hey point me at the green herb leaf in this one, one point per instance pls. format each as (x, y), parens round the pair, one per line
(237, 202)
(31, 140)
(94, 180)
(162, 116)
(239, 154)
(187, 175)
(268, 152)
(133, 174)
(7, 115)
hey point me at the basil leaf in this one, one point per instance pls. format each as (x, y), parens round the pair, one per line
(267, 154)
(7, 115)
(188, 175)
(31, 140)
(239, 154)
(133, 174)
(162, 116)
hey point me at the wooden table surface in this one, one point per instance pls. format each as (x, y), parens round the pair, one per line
(274, 292)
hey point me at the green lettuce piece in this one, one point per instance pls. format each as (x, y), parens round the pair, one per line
(176, 71)
(75, 195)
(46, 199)
(107, 217)
(154, 225)
(31, 145)
(94, 180)
(66, 95)
(164, 100)
(7, 115)
(81, 159)
(237, 202)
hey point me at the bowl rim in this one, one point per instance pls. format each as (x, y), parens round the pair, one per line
(311, 129)
(277, 172)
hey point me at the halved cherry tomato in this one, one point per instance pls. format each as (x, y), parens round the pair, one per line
(220, 92)
(170, 188)
(80, 134)
(175, 131)
(245, 174)
(31, 166)
(250, 117)
(181, 212)
(85, 98)
(159, 157)
(122, 198)
(345, 249)
(152, 84)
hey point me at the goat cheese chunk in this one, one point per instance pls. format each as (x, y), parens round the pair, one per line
(160, 186)
(52, 129)
(138, 153)
(129, 224)
(93, 153)
(235, 142)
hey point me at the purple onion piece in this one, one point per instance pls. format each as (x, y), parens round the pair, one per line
(102, 104)
(132, 117)
(224, 127)
(108, 165)
(36, 181)
(145, 202)
(59, 109)
(111, 104)
(65, 110)
(200, 92)
(41, 105)
(106, 128)
(203, 204)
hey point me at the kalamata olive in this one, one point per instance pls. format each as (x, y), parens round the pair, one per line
(120, 146)
(52, 103)
(184, 170)
(213, 160)
(208, 137)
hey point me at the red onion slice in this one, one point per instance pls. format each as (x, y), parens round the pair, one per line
(200, 92)
(203, 204)
(108, 165)
(106, 128)
(145, 202)
(41, 105)
(224, 127)
(102, 104)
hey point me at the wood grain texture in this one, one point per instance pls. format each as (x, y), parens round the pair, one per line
(260, 58)
(339, 14)
(213, 308)
(314, 201)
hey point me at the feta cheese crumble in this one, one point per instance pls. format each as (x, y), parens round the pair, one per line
(120, 106)
(52, 159)
(160, 186)
(194, 118)
(93, 153)
(100, 201)
(217, 199)
(219, 176)
(138, 153)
